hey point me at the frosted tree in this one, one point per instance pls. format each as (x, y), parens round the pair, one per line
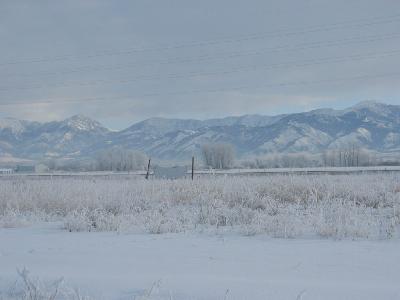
(120, 159)
(218, 155)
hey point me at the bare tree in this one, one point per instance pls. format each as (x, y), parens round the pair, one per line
(351, 155)
(218, 155)
(120, 159)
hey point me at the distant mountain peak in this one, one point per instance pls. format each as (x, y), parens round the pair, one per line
(373, 106)
(14, 125)
(83, 123)
(370, 104)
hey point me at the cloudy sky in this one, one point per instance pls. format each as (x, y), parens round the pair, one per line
(124, 61)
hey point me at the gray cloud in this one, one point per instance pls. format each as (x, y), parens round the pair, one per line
(89, 49)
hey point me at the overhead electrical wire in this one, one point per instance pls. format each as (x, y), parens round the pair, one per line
(246, 68)
(200, 91)
(273, 34)
(218, 56)
(227, 40)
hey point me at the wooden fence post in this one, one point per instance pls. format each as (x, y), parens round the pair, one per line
(192, 167)
(148, 169)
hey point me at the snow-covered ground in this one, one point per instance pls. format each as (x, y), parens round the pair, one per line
(345, 206)
(217, 237)
(192, 266)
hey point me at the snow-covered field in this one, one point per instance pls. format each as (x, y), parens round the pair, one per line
(345, 206)
(269, 237)
(108, 265)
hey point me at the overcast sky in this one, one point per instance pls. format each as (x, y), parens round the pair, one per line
(124, 61)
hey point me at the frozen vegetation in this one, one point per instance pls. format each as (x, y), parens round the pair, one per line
(223, 237)
(330, 206)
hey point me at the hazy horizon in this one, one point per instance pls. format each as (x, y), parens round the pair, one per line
(204, 119)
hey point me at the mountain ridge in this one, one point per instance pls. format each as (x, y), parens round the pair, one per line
(371, 125)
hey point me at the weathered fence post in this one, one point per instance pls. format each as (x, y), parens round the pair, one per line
(148, 169)
(192, 167)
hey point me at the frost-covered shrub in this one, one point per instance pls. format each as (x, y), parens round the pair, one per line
(28, 287)
(92, 220)
(341, 219)
(285, 223)
(333, 206)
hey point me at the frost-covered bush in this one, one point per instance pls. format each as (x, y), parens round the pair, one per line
(334, 206)
(28, 287)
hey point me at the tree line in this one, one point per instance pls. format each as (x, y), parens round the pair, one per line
(222, 156)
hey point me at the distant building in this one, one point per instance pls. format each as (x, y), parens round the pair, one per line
(170, 172)
(6, 171)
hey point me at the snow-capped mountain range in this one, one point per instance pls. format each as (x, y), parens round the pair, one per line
(370, 125)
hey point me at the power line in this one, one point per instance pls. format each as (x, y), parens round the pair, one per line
(221, 56)
(246, 68)
(273, 34)
(236, 88)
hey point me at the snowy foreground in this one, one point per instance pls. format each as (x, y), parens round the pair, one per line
(191, 266)
(269, 237)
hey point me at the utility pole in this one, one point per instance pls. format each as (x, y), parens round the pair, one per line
(148, 169)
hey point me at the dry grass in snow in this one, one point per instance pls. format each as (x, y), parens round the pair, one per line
(335, 206)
